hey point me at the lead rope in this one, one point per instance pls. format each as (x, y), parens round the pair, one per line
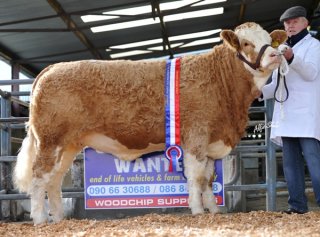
(281, 80)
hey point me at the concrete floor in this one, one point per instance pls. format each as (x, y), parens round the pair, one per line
(259, 203)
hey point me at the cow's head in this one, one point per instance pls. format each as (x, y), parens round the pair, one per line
(255, 47)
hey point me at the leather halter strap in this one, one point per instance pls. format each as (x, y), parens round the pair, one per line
(255, 65)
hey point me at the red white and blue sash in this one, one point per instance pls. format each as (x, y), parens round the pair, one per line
(173, 151)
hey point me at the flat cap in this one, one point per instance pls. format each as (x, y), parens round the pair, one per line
(293, 12)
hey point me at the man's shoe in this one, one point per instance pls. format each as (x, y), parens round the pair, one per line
(291, 211)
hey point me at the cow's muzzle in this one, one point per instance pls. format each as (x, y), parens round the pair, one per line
(255, 65)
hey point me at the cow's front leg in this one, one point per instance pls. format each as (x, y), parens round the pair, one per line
(209, 200)
(194, 171)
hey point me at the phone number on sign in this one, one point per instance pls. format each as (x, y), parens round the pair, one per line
(142, 189)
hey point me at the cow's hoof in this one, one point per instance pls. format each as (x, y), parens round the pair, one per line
(215, 211)
(197, 211)
(39, 221)
(39, 218)
(53, 219)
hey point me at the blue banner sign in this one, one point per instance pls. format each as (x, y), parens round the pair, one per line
(111, 183)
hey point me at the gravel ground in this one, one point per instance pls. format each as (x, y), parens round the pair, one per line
(254, 223)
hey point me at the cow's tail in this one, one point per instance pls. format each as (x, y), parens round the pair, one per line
(22, 174)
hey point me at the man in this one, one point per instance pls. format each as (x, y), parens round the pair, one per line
(296, 121)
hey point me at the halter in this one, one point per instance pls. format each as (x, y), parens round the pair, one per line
(255, 65)
(281, 78)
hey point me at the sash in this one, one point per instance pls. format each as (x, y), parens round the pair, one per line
(173, 150)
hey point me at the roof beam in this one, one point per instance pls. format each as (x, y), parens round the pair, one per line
(242, 11)
(156, 11)
(12, 58)
(73, 27)
(28, 20)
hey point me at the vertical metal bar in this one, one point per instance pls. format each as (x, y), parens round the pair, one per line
(76, 174)
(15, 111)
(271, 163)
(5, 132)
(243, 193)
(15, 69)
(5, 145)
(77, 182)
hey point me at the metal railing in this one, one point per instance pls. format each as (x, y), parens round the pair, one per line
(267, 151)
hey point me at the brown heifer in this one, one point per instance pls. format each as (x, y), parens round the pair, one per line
(118, 107)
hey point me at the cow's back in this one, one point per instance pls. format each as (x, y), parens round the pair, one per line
(124, 99)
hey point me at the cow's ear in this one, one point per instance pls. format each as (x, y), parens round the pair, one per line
(278, 37)
(231, 39)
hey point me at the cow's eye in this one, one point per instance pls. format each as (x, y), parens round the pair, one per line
(246, 44)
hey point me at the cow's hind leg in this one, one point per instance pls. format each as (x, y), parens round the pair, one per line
(209, 200)
(42, 167)
(37, 194)
(54, 185)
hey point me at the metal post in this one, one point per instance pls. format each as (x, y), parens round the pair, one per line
(77, 182)
(15, 69)
(271, 163)
(5, 135)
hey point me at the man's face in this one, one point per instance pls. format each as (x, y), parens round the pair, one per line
(295, 25)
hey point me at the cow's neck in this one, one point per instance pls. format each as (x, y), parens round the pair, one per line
(239, 89)
(238, 83)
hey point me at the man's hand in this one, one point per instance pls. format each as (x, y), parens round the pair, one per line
(288, 54)
(286, 51)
